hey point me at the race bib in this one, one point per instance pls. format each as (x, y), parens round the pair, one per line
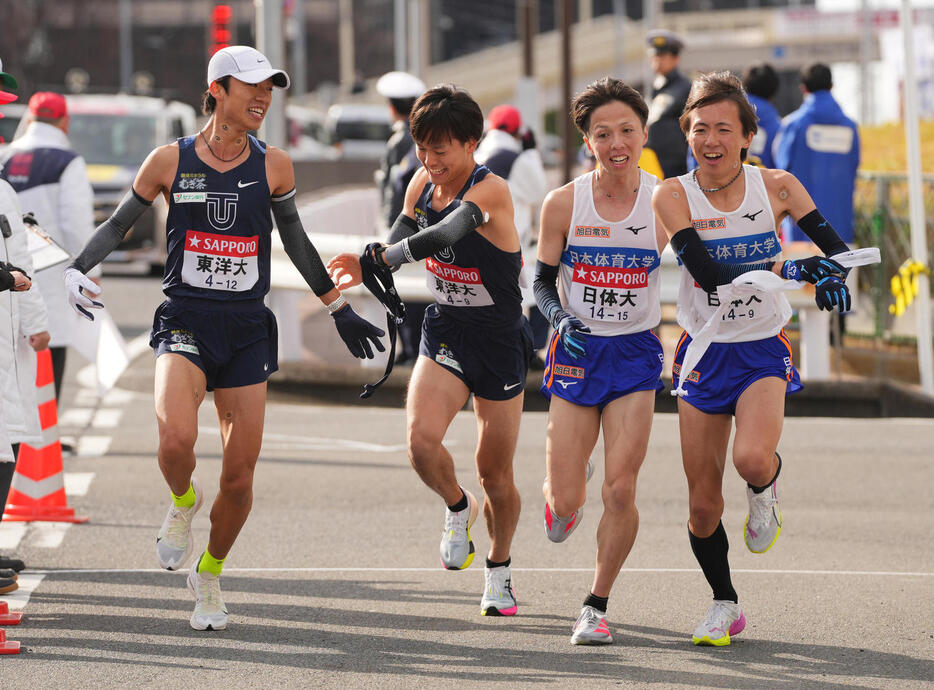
(607, 293)
(456, 286)
(220, 262)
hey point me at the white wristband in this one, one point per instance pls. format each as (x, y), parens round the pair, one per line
(336, 304)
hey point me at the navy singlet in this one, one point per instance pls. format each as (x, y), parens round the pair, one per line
(218, 228)
(473, 281)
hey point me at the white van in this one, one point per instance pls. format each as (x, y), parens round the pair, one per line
(359, 131)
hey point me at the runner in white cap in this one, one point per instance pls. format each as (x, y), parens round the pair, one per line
(213, 332)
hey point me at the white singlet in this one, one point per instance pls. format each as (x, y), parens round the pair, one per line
(610, 271)
(746, 235)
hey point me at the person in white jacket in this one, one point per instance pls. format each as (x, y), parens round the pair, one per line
(51, 180)
(23, 331)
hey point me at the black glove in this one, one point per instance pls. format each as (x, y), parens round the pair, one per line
(812, 269)
(528, 140)
(7, 282)
(832, 293)
(356, 332)
(572, 332)
(10, 267)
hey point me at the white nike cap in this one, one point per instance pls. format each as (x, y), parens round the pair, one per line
(245, 64)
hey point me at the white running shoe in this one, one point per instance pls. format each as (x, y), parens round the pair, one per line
(764, 520)
(557, 529)
(723, 619)
(499, 599)
(210, 612)
(591, 628)
(174, 543)
(457, 549)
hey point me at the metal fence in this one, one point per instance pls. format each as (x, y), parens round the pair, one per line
(881, 219)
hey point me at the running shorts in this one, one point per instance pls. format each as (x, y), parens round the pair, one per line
(612, 366)
(233, 343)
(492, 364)
(728, 369)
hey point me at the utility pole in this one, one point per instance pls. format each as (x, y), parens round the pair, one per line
(126, 45)
(270, 43)
(566, 10)
(527, 90)
(345, 46)
(297, 72)
(399, 36)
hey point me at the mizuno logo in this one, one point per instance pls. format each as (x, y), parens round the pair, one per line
(511, 386)
(635, 231)
(752, 216)
(565, 384)
(241, 184)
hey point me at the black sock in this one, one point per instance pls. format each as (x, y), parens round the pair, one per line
(460, 505)
(494, 564)
(598, 603)
(760, 489)
(711, 555)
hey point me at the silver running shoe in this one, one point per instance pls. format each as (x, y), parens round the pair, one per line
(174, 543)
(723, 619)
(457, 549)
(557, 529)
(210, 612)
(764, 520)
(499, 599)
(591, 628)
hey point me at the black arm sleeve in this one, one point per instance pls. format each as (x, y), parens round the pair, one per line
(297, 245)
(6, 279)
(403, 228)
(819, 229)
(545, 288)
(111, 232)
(466, 218)
(708, 273)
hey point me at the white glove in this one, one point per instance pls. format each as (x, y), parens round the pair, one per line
(77, 285)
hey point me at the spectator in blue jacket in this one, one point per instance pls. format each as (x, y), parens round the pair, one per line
(819, 145)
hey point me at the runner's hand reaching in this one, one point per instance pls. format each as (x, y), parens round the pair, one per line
(357, 332)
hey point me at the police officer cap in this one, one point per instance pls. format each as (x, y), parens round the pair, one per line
(664, 41)
(400, 85)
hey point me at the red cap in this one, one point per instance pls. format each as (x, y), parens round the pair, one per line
(48, 105)
(506, 118)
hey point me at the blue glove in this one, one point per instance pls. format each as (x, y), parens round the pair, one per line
(812, 269)
(832, 293)
(357, 332)
(572, 333)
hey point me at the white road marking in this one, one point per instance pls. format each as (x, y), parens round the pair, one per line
(27, 582)
(48, 535)
(77, 416)
(107, 418)
(273, 441)
(77, 483)
(93, 446)
(11, 534)
(822, 573)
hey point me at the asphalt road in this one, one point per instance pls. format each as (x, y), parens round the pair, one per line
(335, 580)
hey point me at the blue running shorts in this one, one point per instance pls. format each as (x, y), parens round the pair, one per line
(612, 367)
(727, 369)
(233, 343)
(492, 363)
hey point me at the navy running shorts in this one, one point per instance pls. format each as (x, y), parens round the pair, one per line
(612, 366)
(728, 369)
(492, 363)
(234, 343)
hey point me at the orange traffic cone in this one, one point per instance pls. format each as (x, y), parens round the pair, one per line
(7, 618)
(38, 488)
(8, 647)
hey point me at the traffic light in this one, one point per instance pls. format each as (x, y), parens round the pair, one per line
(221, 34)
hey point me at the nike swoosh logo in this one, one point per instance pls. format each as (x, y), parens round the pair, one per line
(241, 184)
(510, 387)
